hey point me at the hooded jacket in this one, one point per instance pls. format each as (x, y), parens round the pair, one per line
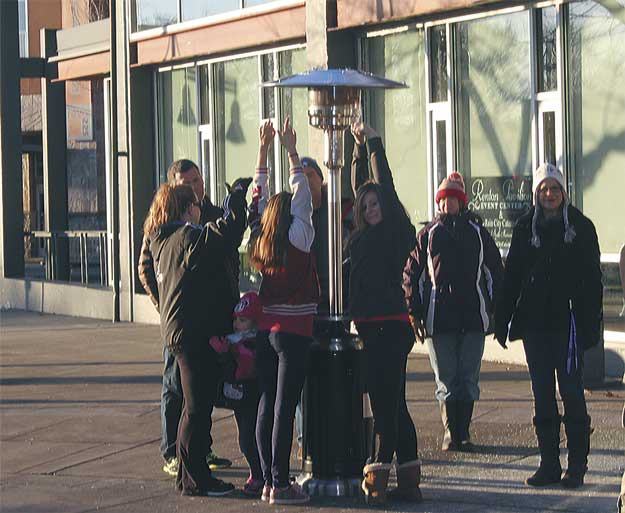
(146, 273)
(452, 276)
(543, 284)
(196, 285)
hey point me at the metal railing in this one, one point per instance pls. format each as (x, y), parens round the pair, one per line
(88, 254)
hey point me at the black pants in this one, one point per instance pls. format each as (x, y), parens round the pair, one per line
(281, 362)
(199, 375)
(387, 345)
(245, 415)
(546, 355)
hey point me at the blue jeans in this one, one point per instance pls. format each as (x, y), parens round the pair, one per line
(281, 362)
(456, 359)
(171, 405)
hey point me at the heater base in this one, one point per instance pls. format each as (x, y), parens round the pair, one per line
(339, 487)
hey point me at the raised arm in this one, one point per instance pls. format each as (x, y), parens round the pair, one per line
(301, 231)
(260, 192)
(223, 235)
(360, 161)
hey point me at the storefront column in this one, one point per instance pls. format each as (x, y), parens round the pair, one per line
(122, 200)
(54, 138)
(11, 211)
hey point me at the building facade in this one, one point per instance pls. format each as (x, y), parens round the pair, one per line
(494, 89)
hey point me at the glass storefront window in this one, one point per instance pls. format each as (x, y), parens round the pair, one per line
(399, 115)
(597, 50)
(236, 119)
(251, 3)
(546, 45)
(156, 13)
(192, 9)
(204, 94)
(438, 63)
(295, 105)
(269, 102)
(159, 13)
(177, 99)
(494, 119)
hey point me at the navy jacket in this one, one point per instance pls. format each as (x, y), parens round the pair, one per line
(452, 276)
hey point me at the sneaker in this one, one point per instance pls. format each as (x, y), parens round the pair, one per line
(215, 488)
(214, 462)
(292, 494)
(254, 487)
(171, 466)
(266, 495)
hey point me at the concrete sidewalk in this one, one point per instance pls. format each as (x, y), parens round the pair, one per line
(80, 429)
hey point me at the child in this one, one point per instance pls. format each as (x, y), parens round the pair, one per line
(240, 388)
(281, 251)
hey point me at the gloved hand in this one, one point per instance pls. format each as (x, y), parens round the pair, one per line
(501, 334)
(239, 185)
(418, 328)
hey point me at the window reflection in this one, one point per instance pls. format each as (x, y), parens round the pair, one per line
(438, 63)
(549, 137)
(441, 150)
(236, 119)
(294, 103)
(399, 115)
(177, 117)
(494, 100)
(597, 67)
(156, 13)
(193, 9)
(546, 45)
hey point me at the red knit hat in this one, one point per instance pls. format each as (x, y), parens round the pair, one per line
(249, 306)
(452, 186)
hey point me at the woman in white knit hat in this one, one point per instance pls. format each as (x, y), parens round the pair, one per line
(450, 281)
(552, 299)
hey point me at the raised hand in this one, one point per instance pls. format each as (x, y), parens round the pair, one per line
(241, 184)
(288, 137)
(266, 134)
(358, 132)
(361, 132)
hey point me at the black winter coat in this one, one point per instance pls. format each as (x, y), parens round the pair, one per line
(540, 284)
(377, 253)
(147, 275)
(196, 285)
(452, 276)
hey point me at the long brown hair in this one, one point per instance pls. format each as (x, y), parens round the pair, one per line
(268, 248)
(359, 206)
(169, 204)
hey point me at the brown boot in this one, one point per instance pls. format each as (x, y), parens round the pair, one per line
(375, 482)
(408, 480)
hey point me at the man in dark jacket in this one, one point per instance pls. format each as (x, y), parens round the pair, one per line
(552, 299)
(185, 172)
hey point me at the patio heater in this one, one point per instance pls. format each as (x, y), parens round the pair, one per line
(336, 443)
